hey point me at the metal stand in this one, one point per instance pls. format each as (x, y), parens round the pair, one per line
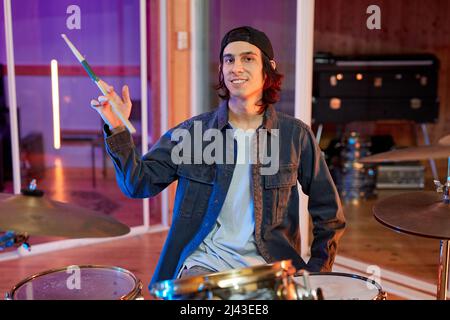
(10, 239)
(444, 253)
(427, 142)
(319, 133)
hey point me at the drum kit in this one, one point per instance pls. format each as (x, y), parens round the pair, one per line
(276, 281)
(30, 213)
(425, 214)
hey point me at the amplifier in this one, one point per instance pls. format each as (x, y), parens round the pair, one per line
(337, 110)
(375, 87)
(400, 176)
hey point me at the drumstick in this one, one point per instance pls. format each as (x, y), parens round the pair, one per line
(96, 79)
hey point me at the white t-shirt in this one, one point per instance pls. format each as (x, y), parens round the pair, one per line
(231, 243)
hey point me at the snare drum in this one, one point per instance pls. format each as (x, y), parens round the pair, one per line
(87, 282)
(262, 282)
(345, 286)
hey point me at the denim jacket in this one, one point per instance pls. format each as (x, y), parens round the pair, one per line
(202, 188)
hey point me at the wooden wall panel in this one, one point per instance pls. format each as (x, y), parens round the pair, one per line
(179, 62)
(407, 26)
(178, 12)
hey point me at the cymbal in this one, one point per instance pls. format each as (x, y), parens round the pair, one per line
(410, 154)
(417, 213)
(43, 217)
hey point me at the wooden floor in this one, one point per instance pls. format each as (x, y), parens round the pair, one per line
(365, 240)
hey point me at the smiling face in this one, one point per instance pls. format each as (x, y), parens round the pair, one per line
(242, 70)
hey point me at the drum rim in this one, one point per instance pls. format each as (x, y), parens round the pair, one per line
(348, 275)
(211, 281)
(129, 296)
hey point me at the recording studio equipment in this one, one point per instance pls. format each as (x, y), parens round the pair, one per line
(353, 179)
(400, 176)
(375, 87)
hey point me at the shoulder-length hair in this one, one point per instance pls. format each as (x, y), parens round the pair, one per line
(272, 84)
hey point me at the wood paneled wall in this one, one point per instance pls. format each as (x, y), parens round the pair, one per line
(407, 26)
(179, 62)
(179, 68)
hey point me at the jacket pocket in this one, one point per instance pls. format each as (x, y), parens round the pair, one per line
(280, 185)
(285, 177)
(199, 180)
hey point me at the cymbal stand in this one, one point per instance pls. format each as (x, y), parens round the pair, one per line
(444, 248)
(10, 239)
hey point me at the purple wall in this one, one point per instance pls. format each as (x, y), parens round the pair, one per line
(109, 35)
(109, 31)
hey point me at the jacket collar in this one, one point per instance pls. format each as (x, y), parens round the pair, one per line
(270, 119)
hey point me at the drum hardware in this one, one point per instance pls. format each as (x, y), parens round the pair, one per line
(425, 214)
(444, 189)
(96, 283)
(32, 190)
(31, 213)
(354, 180)
(304, 289)
(12, 239)
(263, 282)
(344, 286)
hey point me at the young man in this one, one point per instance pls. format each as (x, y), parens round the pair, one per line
(239, 213)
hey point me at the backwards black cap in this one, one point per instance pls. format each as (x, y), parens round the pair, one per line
(250, 35)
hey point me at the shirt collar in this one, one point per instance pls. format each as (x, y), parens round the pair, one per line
(270, 119)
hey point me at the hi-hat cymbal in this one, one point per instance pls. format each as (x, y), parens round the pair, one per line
(418, 213)
(410, 154)
(43, 217)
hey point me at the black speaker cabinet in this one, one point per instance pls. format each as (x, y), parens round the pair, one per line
(368, 88)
